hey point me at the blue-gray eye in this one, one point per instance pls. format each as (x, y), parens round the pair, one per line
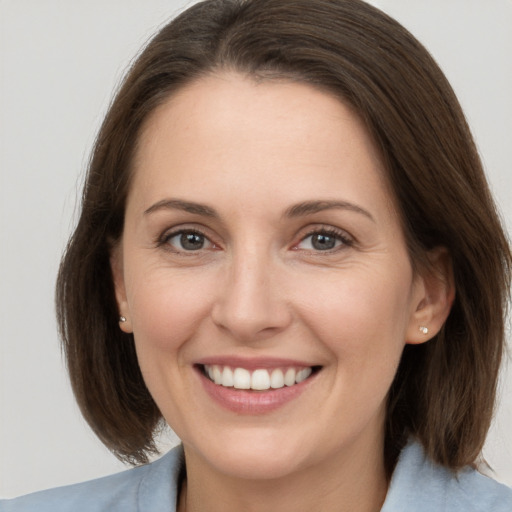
(188, 241)
(323, 241)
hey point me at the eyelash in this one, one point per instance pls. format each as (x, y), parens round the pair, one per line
(164, 240)
(337, 235)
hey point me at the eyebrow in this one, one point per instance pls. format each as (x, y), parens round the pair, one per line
(186, 206)
(311, 207)
(297, 210)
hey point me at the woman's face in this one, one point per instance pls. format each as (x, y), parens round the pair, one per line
(261, 245)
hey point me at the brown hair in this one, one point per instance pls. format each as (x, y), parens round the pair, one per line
(444, 390)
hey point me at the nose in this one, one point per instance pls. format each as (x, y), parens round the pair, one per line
(252, 304)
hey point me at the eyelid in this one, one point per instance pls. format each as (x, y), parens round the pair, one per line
(346, 239)
(163, 239)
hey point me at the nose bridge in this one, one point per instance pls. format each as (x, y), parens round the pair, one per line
(251, 303)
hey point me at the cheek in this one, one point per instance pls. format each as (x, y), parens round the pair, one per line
(167, 309)
(359, 314)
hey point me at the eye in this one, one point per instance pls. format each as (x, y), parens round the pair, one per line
(324, 240)
(187, 240)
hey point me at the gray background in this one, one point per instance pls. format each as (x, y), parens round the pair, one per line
(59, 63)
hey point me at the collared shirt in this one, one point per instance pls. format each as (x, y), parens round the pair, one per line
(417, 485)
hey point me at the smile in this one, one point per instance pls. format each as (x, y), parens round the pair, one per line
(255, 386)
(259, 379)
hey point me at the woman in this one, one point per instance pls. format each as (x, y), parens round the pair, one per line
(288, 251)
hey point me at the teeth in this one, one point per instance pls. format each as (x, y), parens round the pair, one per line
(217, 375)
(277, 379)
(259, 380)
(289, 377)
(303, 375)
(227, 377)
(241, 379)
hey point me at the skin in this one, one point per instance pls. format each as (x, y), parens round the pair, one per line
(260, 287)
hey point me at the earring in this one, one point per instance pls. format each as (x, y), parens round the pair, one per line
(122, 319)
(423, 329)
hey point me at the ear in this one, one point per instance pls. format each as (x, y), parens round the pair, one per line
(433, 297)
(117, 268)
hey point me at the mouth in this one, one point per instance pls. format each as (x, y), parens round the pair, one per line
(259, 379)
(255, 386)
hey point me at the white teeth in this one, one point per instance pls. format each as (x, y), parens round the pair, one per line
(277, 379)
(289, 377)
(241, 379)
(217, 375)
(303, 375)
(259, 380)
(227, 377)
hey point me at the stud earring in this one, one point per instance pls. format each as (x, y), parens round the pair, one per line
(423, 329)
(122, 319)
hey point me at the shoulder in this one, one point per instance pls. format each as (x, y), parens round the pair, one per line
(419, 484)
(144, 488)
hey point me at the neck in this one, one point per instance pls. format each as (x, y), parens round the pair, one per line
(352, 481)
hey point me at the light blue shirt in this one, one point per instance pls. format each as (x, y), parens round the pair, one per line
(417, 486)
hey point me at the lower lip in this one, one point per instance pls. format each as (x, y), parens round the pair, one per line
(244, 401)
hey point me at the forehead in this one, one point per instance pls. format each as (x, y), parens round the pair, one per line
(229, 100)
(278, 133)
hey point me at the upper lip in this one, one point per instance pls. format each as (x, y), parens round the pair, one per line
(254, 363)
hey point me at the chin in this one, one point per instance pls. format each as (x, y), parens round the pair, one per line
(253, 455)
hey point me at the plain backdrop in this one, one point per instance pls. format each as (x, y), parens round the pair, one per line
(59, 64)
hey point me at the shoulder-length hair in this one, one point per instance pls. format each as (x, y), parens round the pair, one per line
(444, 390)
